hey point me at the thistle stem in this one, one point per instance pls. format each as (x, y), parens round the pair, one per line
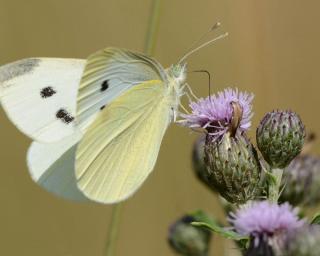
(274, 188)
(149, 47)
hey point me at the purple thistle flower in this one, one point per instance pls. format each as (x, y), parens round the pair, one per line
(215, 112)
(266, 219)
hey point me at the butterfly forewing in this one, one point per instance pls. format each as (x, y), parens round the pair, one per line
(39, 96)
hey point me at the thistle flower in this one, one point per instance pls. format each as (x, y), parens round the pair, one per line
(301, 181)
(189, 240)
(232, 166)
(267, 223)
(215, 113)
(305, 242)
(280, 137)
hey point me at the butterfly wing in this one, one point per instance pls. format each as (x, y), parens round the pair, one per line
(39, 96)
(51, 165)
(120, 148)
(109, 73)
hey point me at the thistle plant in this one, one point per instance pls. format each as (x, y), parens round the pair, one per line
(260, 189)
(232, 165)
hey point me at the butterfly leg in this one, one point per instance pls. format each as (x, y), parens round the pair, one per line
(191, 92)
(183, 108)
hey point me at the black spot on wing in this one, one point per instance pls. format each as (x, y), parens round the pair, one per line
(102, 107)
(68, 119)
(104, 85)
(63, 115)
(47, 92)
(18, 68)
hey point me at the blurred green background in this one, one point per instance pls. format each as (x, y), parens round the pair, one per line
(272, 51)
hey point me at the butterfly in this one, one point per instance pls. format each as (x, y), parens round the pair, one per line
(96, 124)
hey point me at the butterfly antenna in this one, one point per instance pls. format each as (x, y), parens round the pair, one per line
(212, 28)
(209, 77)
(202, 46)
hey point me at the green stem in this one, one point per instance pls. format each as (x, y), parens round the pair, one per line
(153, 24)
(274, 188)
(113, 229)
(149, 49)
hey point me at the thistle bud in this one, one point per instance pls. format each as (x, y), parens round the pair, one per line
(198, 163)
(233, 167)
(305, 242)
(280, 137)
(301, 181)
(187, 239)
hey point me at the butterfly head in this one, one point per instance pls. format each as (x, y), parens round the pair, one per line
(178, 73)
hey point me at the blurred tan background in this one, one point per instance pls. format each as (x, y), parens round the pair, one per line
(272, 51)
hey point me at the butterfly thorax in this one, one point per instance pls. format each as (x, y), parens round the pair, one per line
(176, 75)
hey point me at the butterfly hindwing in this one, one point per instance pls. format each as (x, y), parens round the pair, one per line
(120, 147)
(51, 165)
(39, 96)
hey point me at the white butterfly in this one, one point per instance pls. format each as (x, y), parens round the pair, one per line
(109, 128)
(97, 124)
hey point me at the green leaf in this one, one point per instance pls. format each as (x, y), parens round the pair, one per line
(200, 216)
(316, 219)
(221, 231)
